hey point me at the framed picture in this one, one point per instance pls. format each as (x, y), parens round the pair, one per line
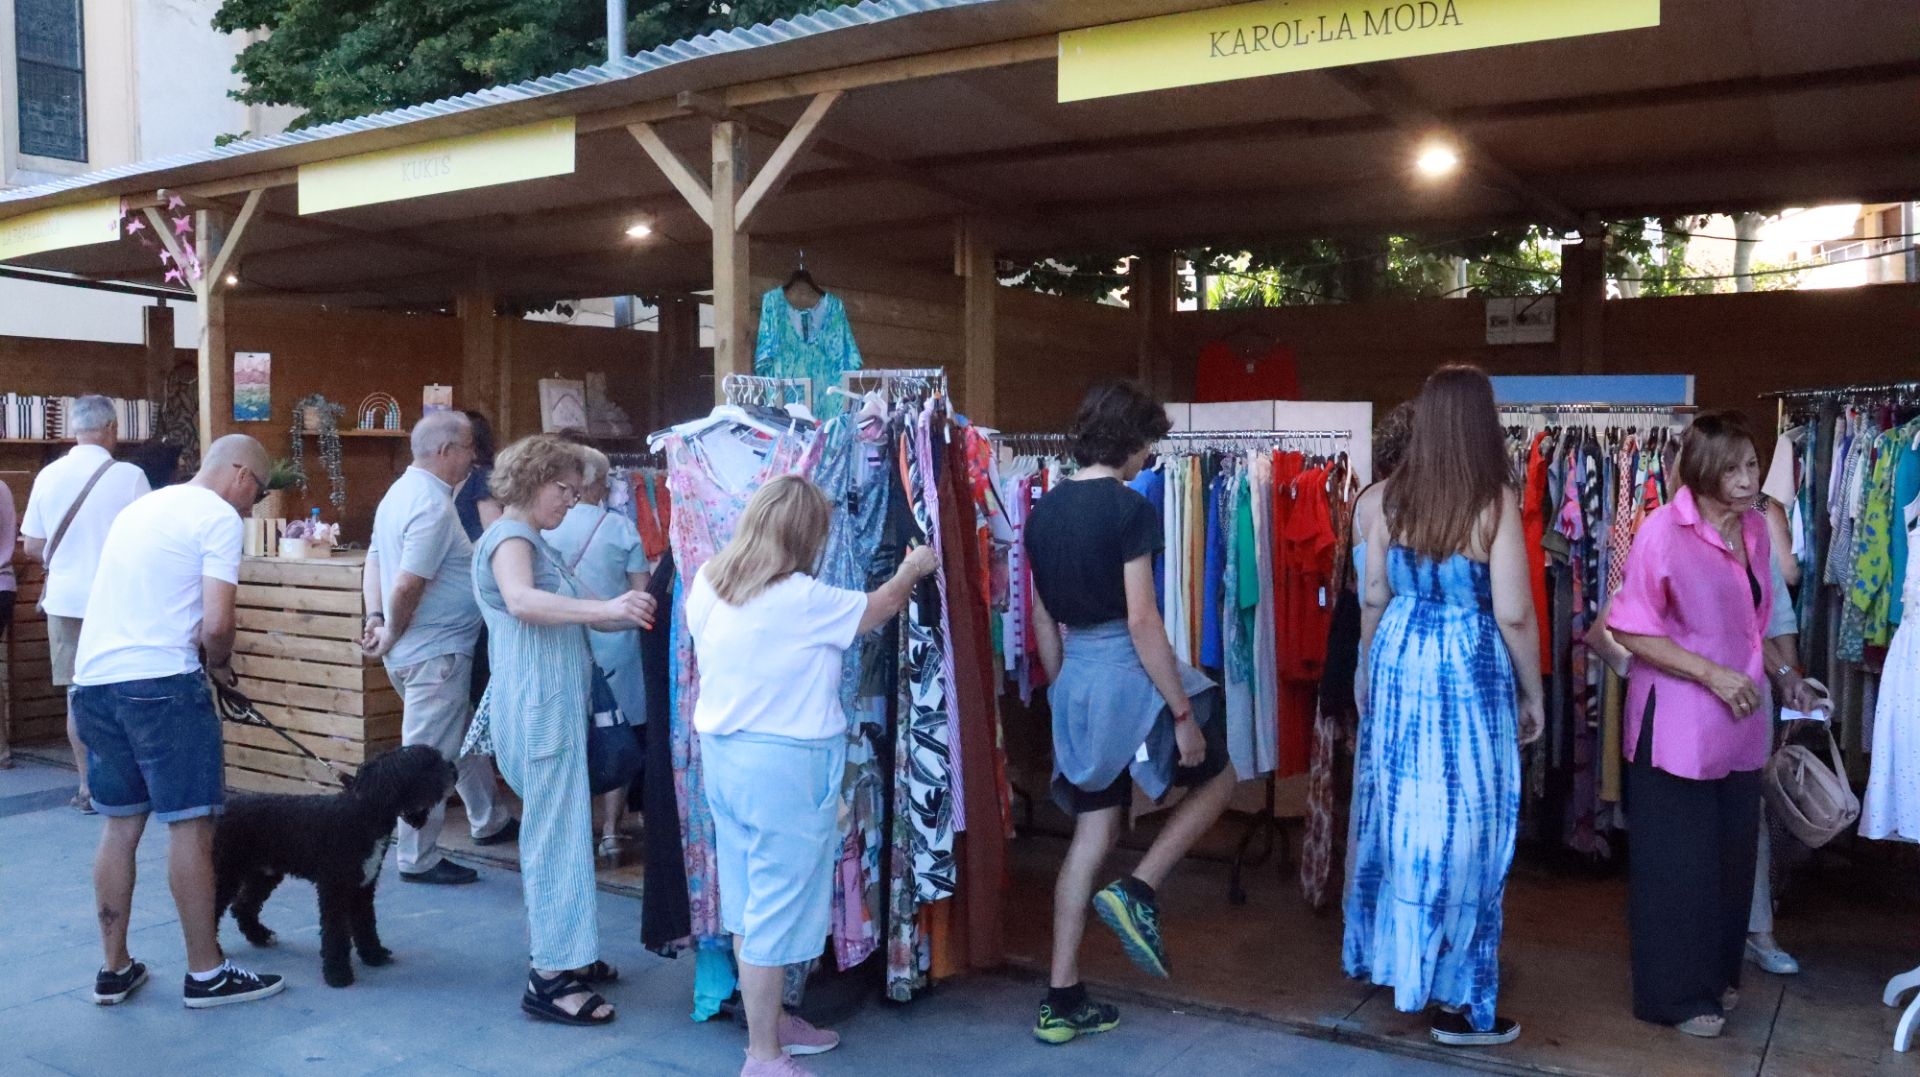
(563, 405)
(252, 387)
(436, 398)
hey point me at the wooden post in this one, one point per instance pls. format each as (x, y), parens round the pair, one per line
(732, 313)
(1582, 306)
(1150, 292)
(158, 337)
(479, 387)
(981, 369)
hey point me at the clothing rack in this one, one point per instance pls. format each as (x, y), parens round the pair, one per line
(745, 389)
(1846, 392)
(1043, 444)
(897, 384)
(637, 459)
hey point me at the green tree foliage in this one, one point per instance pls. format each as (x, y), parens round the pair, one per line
(336, 59)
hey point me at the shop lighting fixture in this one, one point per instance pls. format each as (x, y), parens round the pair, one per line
(1437, 160)
(639, 230)
(233, 279)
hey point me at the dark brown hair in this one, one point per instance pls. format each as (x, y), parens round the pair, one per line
(1390, 437)
(1455, 468)
(1711, 447)
(1115, 421)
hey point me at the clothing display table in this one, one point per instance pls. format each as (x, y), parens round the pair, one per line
(297, 653)
(1900, 985)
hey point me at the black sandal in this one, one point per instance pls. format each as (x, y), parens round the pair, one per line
(597, 974)
(542, 1000)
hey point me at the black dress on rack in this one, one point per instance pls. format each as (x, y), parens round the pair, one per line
(665, 915)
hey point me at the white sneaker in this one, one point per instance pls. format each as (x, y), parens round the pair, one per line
(1772, 959)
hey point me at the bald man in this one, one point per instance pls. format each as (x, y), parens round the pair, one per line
(164, 594)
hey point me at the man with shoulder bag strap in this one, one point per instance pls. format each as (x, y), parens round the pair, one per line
(74, 501)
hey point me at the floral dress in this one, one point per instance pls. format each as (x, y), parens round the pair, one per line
(705, 510)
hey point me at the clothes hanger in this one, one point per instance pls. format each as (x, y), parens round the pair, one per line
(800, 275)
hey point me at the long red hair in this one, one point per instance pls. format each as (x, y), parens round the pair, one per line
(1455, 468)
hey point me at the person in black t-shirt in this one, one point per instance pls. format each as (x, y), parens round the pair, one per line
(1124, 708)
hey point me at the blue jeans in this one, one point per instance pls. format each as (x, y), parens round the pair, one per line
(152, 746)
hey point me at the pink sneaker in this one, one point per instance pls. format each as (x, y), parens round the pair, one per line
(779, 1067)
(800, 1038)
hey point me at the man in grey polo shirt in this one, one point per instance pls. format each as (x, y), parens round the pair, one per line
(422, 622)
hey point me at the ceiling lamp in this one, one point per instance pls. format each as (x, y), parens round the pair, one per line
(233, 279)
(1436, 160)
(639, 230)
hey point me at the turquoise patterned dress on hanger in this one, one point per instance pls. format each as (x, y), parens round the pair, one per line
(815, 343)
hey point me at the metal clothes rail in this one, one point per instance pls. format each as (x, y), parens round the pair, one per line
(1846, 392)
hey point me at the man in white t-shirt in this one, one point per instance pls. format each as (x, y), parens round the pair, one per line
(169, 570)
(88, 485)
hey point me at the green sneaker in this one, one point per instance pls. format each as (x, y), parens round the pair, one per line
(1137, 922)
(1091, 1017)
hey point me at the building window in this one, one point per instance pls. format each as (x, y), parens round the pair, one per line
(53, 79)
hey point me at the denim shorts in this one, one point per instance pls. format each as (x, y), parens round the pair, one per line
(152, 746)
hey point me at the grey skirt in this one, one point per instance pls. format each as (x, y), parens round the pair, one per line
(1105, 709)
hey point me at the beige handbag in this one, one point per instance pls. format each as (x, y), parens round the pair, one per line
(1809, 794)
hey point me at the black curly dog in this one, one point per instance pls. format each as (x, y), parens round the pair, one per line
(337, 842)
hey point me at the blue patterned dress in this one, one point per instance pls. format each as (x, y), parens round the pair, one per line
(1432, 845)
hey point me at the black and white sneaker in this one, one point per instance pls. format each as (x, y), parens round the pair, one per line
(1454, 1030)
(112, 988)
(231, 986)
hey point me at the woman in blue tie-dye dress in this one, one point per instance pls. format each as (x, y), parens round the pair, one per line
(1452, 689)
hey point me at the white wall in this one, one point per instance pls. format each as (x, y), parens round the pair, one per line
(158, 78)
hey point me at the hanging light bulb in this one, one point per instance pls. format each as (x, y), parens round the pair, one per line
(1437, 159)
(639, 230)
(233, 279)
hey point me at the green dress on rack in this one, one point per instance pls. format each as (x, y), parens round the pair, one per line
(815, 343)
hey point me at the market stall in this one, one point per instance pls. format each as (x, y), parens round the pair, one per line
(915, 151)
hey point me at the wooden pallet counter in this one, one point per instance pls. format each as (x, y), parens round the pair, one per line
(297, 653)
(36, 711)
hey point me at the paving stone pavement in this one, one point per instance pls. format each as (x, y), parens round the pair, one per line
(449, 1003)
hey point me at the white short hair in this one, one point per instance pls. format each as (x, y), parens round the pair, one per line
(91, 414)
(594, 465)
(437, 430)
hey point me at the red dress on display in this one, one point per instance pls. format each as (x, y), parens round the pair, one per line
(1224, 375)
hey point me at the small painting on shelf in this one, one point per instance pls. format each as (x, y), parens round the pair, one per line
(563, 405)
(252, 387)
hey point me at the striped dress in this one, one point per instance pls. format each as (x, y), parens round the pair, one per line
(536, 716)
(1432, 845)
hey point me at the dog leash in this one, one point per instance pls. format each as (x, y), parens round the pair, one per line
(234, 706)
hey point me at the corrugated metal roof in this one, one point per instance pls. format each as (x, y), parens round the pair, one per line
(720, 43)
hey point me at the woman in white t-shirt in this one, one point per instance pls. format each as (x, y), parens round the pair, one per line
(769, 639)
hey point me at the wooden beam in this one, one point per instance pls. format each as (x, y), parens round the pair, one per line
(234, 237)
(216, 372)
(774, 173)
(253, 181)
(479, 386)
(1579, 317)
(979, 367)
(697, 194)
(732, 316)
(157, 336)
(1376, 86)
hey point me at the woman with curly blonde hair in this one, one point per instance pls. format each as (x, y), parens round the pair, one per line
(535, 715)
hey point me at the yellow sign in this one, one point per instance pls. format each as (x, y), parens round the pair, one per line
(1276, 36)
(448, 164)
(62, 226)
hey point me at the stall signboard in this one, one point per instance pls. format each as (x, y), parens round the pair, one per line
(62, 226)
(1272, 37)
(449, 164)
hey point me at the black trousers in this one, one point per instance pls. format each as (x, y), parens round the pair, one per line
(1690, 889)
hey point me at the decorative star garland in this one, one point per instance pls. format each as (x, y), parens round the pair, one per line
(182, 221)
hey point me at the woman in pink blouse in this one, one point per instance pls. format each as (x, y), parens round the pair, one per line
(1693, 611)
